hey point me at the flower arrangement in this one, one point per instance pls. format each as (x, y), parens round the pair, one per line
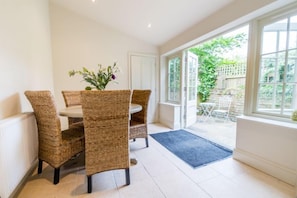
(100, 79)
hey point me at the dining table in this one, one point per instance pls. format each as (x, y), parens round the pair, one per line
(76, 112)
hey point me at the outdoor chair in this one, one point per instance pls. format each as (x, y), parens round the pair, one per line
(55, 146)
(223, 108)
(106, 122)
(138, 122)
(72, 98)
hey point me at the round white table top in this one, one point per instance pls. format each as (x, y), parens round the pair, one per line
(76, 111)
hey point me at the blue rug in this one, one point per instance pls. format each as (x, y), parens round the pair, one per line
(192, 149)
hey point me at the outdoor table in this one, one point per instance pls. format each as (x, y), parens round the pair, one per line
(207, 108)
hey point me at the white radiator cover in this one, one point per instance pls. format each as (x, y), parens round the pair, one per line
(170, 115)
(268, 145)
(18, 150)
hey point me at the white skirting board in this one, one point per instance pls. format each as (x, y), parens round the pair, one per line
(271, 168)
(268, 145)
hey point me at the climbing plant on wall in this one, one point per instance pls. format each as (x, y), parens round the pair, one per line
(210, 55)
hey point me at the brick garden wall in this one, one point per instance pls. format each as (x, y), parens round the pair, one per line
(231, 82)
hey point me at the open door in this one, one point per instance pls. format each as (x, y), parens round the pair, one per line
(190, 95)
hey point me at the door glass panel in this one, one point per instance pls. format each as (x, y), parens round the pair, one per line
(174, 79)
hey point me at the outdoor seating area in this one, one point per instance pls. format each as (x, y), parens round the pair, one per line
(214, 122)
(221, 109)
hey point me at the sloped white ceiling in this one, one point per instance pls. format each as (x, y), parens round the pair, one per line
(168, 18)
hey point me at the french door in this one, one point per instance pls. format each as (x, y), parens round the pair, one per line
(182, 85)
(189, 111)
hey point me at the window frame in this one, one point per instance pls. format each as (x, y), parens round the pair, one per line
(254, 61)
(168, 98)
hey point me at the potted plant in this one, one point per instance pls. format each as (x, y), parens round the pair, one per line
(100, 79)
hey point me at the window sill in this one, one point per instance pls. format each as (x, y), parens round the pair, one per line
(270, 121)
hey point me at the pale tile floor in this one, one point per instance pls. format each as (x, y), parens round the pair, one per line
(217, 130)
(160, 174)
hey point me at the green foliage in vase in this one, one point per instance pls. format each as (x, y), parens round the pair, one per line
(100, 79)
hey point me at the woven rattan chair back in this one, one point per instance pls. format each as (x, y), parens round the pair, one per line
(55, 146)
(138, 122)
(106, 122)
(72, 98)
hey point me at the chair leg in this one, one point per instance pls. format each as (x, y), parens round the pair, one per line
(127, 171)
(89, 184)
(146, 142)
(39, 166)
(57, 175)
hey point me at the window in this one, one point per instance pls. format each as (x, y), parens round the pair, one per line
(277, 78)
(174, 79)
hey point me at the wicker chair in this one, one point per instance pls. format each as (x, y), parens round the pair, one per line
(72, 98)
(106, 121)
(138, 122)
(55, 146)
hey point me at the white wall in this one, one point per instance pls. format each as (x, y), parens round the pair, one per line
(229, 17)
(25, 53)
(269, 146)
(78, 41)
(25, 63)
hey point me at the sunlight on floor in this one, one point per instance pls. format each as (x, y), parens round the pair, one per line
(217, 130)
(160, 174)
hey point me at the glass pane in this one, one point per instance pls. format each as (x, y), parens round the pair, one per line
(192, 92)
(277, 105)
(291, 74)
(274, 37)
(282, 43)
(192, 78)
(293, 33)
(280, 70)
(265, 96)
(293, 39)
(269, 98)
(174, 79)
(290, 95)
(269, 42)
(267, 69)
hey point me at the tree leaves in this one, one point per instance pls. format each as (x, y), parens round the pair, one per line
(210, 57)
